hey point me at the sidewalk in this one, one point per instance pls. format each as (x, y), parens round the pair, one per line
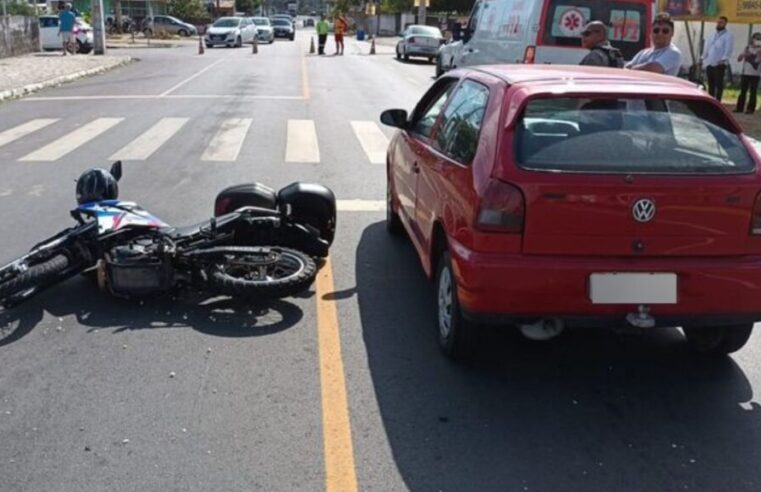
(140, 41)
(23, 75)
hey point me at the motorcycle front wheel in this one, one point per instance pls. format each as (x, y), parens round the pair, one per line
(261, 271)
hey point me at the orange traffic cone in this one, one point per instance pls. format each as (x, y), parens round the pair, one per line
(311, 45)
(255, 46)
(372, 47)
(200, 46)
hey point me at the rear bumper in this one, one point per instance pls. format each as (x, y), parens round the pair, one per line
(413, 50)
(523, 288)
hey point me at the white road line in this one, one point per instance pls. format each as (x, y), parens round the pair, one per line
(302, 142)
(372, 139)
(361, 205)
(197, 74)
(226, 144)
(245, 97)
(70, 141)
(149, 142)
(17, 132)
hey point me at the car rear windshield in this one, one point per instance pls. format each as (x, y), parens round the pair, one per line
(425, 31)
(670, 136)
(227, 23)
(282, 22)
(627, 21)
(262, 22)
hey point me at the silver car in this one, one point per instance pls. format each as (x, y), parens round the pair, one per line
(422, 41)
(168, 24)
(264, 31)
(230, 31)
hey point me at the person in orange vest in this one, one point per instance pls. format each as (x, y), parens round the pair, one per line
(340, 27)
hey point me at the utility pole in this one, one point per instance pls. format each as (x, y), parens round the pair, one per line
(422, 4)
(99, 28)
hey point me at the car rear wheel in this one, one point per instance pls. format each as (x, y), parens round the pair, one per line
(393, 223)
(398, 54)
(183, 33)
(456, 335)
(718, 340)
(83, 48)
(406, 56)
(439, 69)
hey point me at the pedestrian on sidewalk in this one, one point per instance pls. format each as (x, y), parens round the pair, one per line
(664, 57)
(594, 37)
(751, 74)
(340, 26)
(718, 50)
(322, 34)
(66, 22)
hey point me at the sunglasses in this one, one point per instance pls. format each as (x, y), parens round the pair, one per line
(658, 30)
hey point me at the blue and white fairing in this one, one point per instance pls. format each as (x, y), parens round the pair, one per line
(113, 215)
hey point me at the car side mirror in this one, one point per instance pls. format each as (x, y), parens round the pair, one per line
(394, 117)
(116, 170)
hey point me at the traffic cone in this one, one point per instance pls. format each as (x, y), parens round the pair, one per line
(255, 46)
(200, 46)
(311, 45)
(372, 47)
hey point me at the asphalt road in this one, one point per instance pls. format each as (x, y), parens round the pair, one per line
(98, 393)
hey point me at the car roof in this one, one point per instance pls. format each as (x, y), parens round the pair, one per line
(551, 78)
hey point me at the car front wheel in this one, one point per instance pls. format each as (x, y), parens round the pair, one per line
(456, 335)
(183, 33)
(393, 222)
(439, 69)
(398, 54)
(718, 340)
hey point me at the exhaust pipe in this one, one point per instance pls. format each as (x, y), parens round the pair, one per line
(544, 329)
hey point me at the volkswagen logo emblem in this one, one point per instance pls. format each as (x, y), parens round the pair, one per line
(643, 210)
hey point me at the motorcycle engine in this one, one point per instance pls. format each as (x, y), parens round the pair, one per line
(138, 268)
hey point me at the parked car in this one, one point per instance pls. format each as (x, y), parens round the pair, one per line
(168, 24)
(419, 41)
(283, 28)
(498, 31)
(264, 31)
(287, 17)
(308, 22)
(230, 31)
(551, 195)
(50, 40)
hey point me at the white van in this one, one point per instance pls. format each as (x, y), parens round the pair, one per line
(544, 31)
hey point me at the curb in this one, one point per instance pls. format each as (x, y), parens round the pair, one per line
(28, 89)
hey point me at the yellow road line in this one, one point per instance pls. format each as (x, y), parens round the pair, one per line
(340, 474)
(304, 78)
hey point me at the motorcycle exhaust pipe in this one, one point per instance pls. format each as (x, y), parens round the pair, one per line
(544, 329)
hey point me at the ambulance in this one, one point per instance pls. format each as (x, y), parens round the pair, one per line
(544, 31)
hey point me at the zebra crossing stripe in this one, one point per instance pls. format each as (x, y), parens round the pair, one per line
(17, 132)
(226, 144)
(59, 148)
(149, 142)
(302, 142)
(372, 139)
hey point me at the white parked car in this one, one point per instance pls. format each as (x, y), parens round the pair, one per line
(50, 40)
(420, 41)
(230, 31)
(264, 30)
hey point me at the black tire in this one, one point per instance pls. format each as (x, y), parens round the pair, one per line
(300, 273)
(406, 57)
(239, 42)
(209, 46)
(35, 275)
(394, 224)
(183, 33)
(455, 334)
(718, 340)
(82, 49)
(398, 54)
(439, 68)
(432, 59)
(293, 38)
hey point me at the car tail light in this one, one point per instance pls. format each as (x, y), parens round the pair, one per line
(755, 219)
(502, 208)
(411, 40)
(222, 206)
(529, 55)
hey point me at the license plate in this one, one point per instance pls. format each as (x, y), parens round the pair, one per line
(633, 288)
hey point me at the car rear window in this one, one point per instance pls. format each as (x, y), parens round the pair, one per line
(227, 23)
(620, 135)
(425, 31)
(566, 19)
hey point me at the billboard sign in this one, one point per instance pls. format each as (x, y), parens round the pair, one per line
(738, 11)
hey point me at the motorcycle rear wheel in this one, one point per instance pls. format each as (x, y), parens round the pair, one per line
(36, 275)
(262, 271)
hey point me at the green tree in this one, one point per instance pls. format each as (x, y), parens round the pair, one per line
(187, 10)
(247, 6)
(394, 6)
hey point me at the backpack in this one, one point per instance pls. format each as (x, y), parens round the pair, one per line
(614, 55)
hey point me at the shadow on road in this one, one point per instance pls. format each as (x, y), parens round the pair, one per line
(588, 411)
(218, 316)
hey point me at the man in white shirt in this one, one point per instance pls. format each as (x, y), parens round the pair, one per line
(664, 57)
(718, 50)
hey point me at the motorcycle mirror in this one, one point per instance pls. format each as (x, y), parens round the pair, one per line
(116, 170)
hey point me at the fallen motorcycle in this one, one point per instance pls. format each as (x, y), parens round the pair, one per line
(259, 244)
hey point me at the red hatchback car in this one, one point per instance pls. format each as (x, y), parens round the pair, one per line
(550, 196)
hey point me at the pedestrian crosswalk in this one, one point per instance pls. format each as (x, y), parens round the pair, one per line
(225, 143)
